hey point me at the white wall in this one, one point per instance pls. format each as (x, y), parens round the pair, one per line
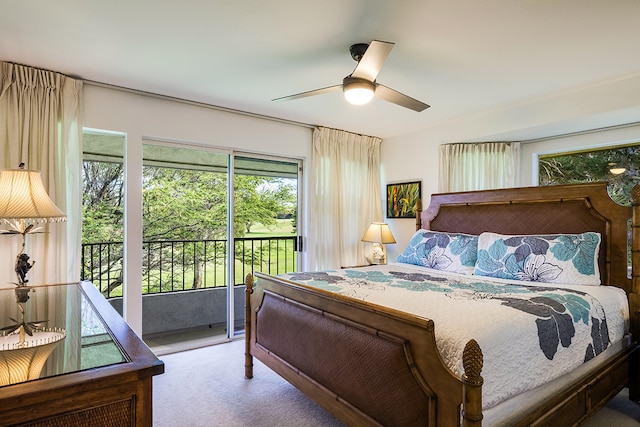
(142, 117)
(146, 116)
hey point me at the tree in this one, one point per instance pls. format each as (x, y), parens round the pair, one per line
(261, 200)
(595, 166)
(102, 202)
(178, 205)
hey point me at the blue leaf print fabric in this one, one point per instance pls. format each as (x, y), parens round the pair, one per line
(551, 329)
(554, 310)
(561, 259)
(453, 252)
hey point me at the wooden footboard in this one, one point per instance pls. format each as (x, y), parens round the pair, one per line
(372, 366)
(385, 368)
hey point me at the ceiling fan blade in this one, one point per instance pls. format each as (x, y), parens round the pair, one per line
(400, 99)
(310, 93)
(369, 66)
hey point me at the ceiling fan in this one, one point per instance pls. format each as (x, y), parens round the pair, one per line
(360, 86)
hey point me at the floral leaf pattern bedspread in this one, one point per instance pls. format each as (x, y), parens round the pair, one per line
(529, 335)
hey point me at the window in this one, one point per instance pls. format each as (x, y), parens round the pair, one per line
(619, 166)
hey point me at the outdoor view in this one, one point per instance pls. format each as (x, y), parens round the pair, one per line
(185, 227)
(619, 166)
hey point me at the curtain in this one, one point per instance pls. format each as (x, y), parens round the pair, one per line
(41, 126)
(345, 184)
(467, 167)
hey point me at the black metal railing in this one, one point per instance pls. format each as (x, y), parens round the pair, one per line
(178, 265)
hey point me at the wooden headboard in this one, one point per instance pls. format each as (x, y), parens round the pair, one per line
(563, 209)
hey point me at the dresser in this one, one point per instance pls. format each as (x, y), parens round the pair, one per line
(99, 374)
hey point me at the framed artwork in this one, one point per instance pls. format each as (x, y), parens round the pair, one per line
(402, 199)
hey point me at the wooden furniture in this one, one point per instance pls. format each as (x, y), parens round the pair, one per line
(371, 365)
(111, 387)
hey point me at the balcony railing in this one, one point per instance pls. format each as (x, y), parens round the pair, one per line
(178, 265)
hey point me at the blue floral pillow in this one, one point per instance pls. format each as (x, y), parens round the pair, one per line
(453, 252)
(563, 258)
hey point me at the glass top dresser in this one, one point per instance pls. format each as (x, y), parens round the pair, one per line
(67, 358)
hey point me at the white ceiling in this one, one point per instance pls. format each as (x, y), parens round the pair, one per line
(460, 56)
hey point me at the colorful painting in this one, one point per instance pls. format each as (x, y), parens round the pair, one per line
(402, 199)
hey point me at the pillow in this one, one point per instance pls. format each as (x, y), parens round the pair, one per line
(562, 258)
(453, 252)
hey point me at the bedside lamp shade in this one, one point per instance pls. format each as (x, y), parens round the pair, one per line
(379, 234)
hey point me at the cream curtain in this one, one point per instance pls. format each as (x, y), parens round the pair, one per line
(467, 167)
(40, 125)
(345, 183)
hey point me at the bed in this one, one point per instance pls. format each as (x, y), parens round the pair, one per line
(370, 363)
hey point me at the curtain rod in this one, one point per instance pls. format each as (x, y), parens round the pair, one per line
(581, 132)
(172, 98)
(197, 103)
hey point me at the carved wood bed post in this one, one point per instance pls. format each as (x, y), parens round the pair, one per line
(635, 240)
(248, 358)
(418, 214)
(634, 296)
(472, 385)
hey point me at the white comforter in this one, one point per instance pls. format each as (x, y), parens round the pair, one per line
(529, 333)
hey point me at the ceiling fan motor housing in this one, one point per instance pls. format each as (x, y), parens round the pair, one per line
(355, 82)
(357, 50)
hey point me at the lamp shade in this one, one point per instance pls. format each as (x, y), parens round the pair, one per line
(378, 232)
(23, 360)
(23, 196)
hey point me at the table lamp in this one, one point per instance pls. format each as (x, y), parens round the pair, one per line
(24, 345)
(379, 234)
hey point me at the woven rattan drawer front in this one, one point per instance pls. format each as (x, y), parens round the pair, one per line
(115, 414)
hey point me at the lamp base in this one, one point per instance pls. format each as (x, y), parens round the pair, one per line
(378, 255)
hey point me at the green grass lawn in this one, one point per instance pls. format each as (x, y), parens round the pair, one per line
(284, 227)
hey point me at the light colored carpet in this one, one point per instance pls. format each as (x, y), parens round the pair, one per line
(206, 387)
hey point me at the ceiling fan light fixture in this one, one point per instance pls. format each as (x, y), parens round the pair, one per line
(358, 91)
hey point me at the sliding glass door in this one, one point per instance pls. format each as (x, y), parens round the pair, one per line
(184, 244)
(265, 225)
(193, 257)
